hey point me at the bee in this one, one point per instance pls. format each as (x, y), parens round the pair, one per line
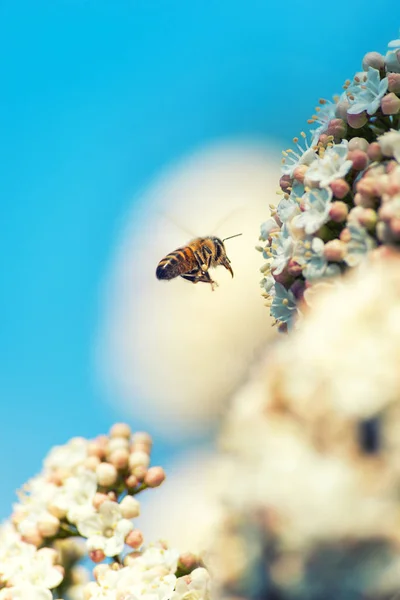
(192, 262)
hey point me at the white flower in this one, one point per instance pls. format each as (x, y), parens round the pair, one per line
(390, 144)
(292, 159)
(156, 556)
(281, 250)
(317, 205)
(37, 569)
(332, 165)
(26, 591)
(76, 495)
(195, 586)
(68, 457)
(106, 529)
(14, 553)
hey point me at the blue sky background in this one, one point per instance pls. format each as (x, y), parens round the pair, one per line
(96, 97)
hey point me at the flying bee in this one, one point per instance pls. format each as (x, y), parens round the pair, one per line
(193, 261)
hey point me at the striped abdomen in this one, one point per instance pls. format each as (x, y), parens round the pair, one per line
(176, 263)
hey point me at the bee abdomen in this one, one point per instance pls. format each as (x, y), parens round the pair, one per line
(173, 265)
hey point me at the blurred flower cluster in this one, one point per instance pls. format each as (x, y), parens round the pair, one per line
(314, 437)
(83, 504)
(340, 186)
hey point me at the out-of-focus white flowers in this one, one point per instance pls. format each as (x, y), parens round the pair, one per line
(314, 438)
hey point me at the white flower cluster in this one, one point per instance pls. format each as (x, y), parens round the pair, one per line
(87, 491)
(149, 576)
(341, 193)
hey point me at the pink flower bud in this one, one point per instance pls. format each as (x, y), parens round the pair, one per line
(33, 537)
(338, 211)
(374, 60)
(294, 268)
(97, 556)
(120, 430)
(154, 477)
(374, 152)
(359, 159)
(119, 458)
(340, 188)
(335, 250)
(358, 143)
(345, 235)
(130, 507)
(368, 218)
(138, 459)
(139, 472)
(390, 104)
(98, 499)
(394, 82)
(357, 121)
(92, 462)
(131, 482)
(188, 561)
(342, 108)
(285, 182)
(386, 212)
(106, 474)
(300, 172)
(337, 128)
(141, 437)
(48, 526)
(117, 443)
(134, 539)
(395, 226)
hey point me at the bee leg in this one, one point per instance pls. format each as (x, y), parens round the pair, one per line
(204, 260)
(200, 276)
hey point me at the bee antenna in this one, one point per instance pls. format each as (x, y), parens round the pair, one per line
(232, 236)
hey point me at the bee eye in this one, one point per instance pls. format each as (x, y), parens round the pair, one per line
(369, 435)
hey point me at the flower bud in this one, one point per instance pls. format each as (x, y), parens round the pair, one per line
(341, 109)
(32, 537)
(390, 104)
(374, 152)
(284, 277)
(139, 459)
(368, 218)
(92, 462)
(96, 449)
(338, 211)
(131, 482)
(340, 188)
(374, 60)
(335, 250)
(337, 128)
(106, 474)
(394, 82)
(359, 159)
(134, 539)
(357, 121)
(392, 61)
(117, 443)
(300, 172)
(188, 561)
(286, 183)
(48, 526)
(98, 499)
(130, 507)
(358, 143)
(139, 472)
(345, 235)
(97, 556)
(294, 268)
(395, 226)
(154, 477)
(120, 430)
(119, 458)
